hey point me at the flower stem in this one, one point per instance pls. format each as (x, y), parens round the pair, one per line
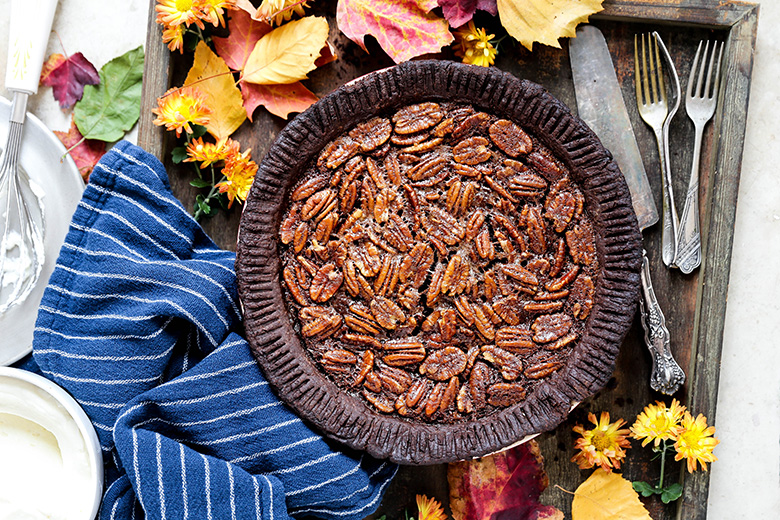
(663, 463)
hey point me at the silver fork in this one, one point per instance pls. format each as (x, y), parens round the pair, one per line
(700, 101)
(656, 111)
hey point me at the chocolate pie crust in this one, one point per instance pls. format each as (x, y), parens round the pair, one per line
(272, 327)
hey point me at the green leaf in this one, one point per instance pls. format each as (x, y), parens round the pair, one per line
(205, 208)
(200, 183)
(198, 131)
(108, 110)
(178, 154)
(644, 488)
(671, 493)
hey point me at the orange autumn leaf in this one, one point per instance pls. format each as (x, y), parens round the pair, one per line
(211, 75)
(403, 28)
(288, 53)
(85, 152)
(245, 32)
(544, 21)
(280, 100)
(508, 484)
(607, 496)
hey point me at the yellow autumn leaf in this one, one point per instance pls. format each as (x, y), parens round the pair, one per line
(211, 76)
(607, 496)
(544, 21)
(287, 54)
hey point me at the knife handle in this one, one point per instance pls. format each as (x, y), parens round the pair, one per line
(667, 376)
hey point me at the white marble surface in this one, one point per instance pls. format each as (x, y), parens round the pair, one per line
(746, 480)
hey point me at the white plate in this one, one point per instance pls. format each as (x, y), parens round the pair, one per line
(43, 158)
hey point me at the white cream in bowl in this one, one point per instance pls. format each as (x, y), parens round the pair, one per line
(50, 458)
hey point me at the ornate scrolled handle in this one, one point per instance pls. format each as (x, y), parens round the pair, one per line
(667, 376)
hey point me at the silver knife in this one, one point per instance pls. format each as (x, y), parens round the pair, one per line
(600, 104)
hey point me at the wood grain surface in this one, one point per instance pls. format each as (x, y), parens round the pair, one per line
(694, 304)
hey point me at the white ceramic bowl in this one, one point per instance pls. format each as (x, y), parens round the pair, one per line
(24, 394)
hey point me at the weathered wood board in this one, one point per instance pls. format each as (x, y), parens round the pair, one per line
(694, 304)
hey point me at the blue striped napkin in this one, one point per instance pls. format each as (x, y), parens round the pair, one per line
(140, 323)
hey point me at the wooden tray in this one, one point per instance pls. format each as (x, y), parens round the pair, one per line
(694, 305)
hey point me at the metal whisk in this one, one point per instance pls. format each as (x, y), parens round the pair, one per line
(21, 209)
(21, 217)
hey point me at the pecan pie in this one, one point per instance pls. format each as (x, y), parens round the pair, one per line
(444, 270)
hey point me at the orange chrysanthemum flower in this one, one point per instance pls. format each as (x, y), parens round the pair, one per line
(209, 153)
(173, 35)
(278, 11)
(657, 423)
(213, 11)
(603, 445)
(429, 509)
(695, 442)
(179, 108)
(177, 12)
(473, 45)
(239, 172)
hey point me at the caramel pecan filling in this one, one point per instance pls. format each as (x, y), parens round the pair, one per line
(438, 262)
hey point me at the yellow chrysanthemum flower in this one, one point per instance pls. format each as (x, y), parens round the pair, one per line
(278, 11)
(657, 423)
(695, 442)
(213, 11)
(209, 153)
(173, 35)
(473, 45)
(239, 172)
(429, 509)
(603, 445)
(177, 12)
(179, 108)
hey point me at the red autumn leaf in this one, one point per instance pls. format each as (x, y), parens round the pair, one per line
(488, 5)
(244, 34)
(403, 28)
(459, 12)
(503, 486)
(280, 100)
(85, 152)
(67, 77)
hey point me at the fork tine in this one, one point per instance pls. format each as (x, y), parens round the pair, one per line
(689, 91)
(645, 84)
(660, 70)
(652, 71)
(706, 92)
(704, 69)
(637, 79)
(716, 79)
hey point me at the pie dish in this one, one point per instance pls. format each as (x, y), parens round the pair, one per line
(436, 261)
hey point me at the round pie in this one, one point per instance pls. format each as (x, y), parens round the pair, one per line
(436, 261)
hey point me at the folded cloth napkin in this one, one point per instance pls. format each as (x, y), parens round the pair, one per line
(140, 324)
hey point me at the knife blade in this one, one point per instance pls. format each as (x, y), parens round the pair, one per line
(600, 104)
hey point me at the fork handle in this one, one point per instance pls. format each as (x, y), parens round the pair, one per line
(689, 238)
(667, 376)
(668, 210)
